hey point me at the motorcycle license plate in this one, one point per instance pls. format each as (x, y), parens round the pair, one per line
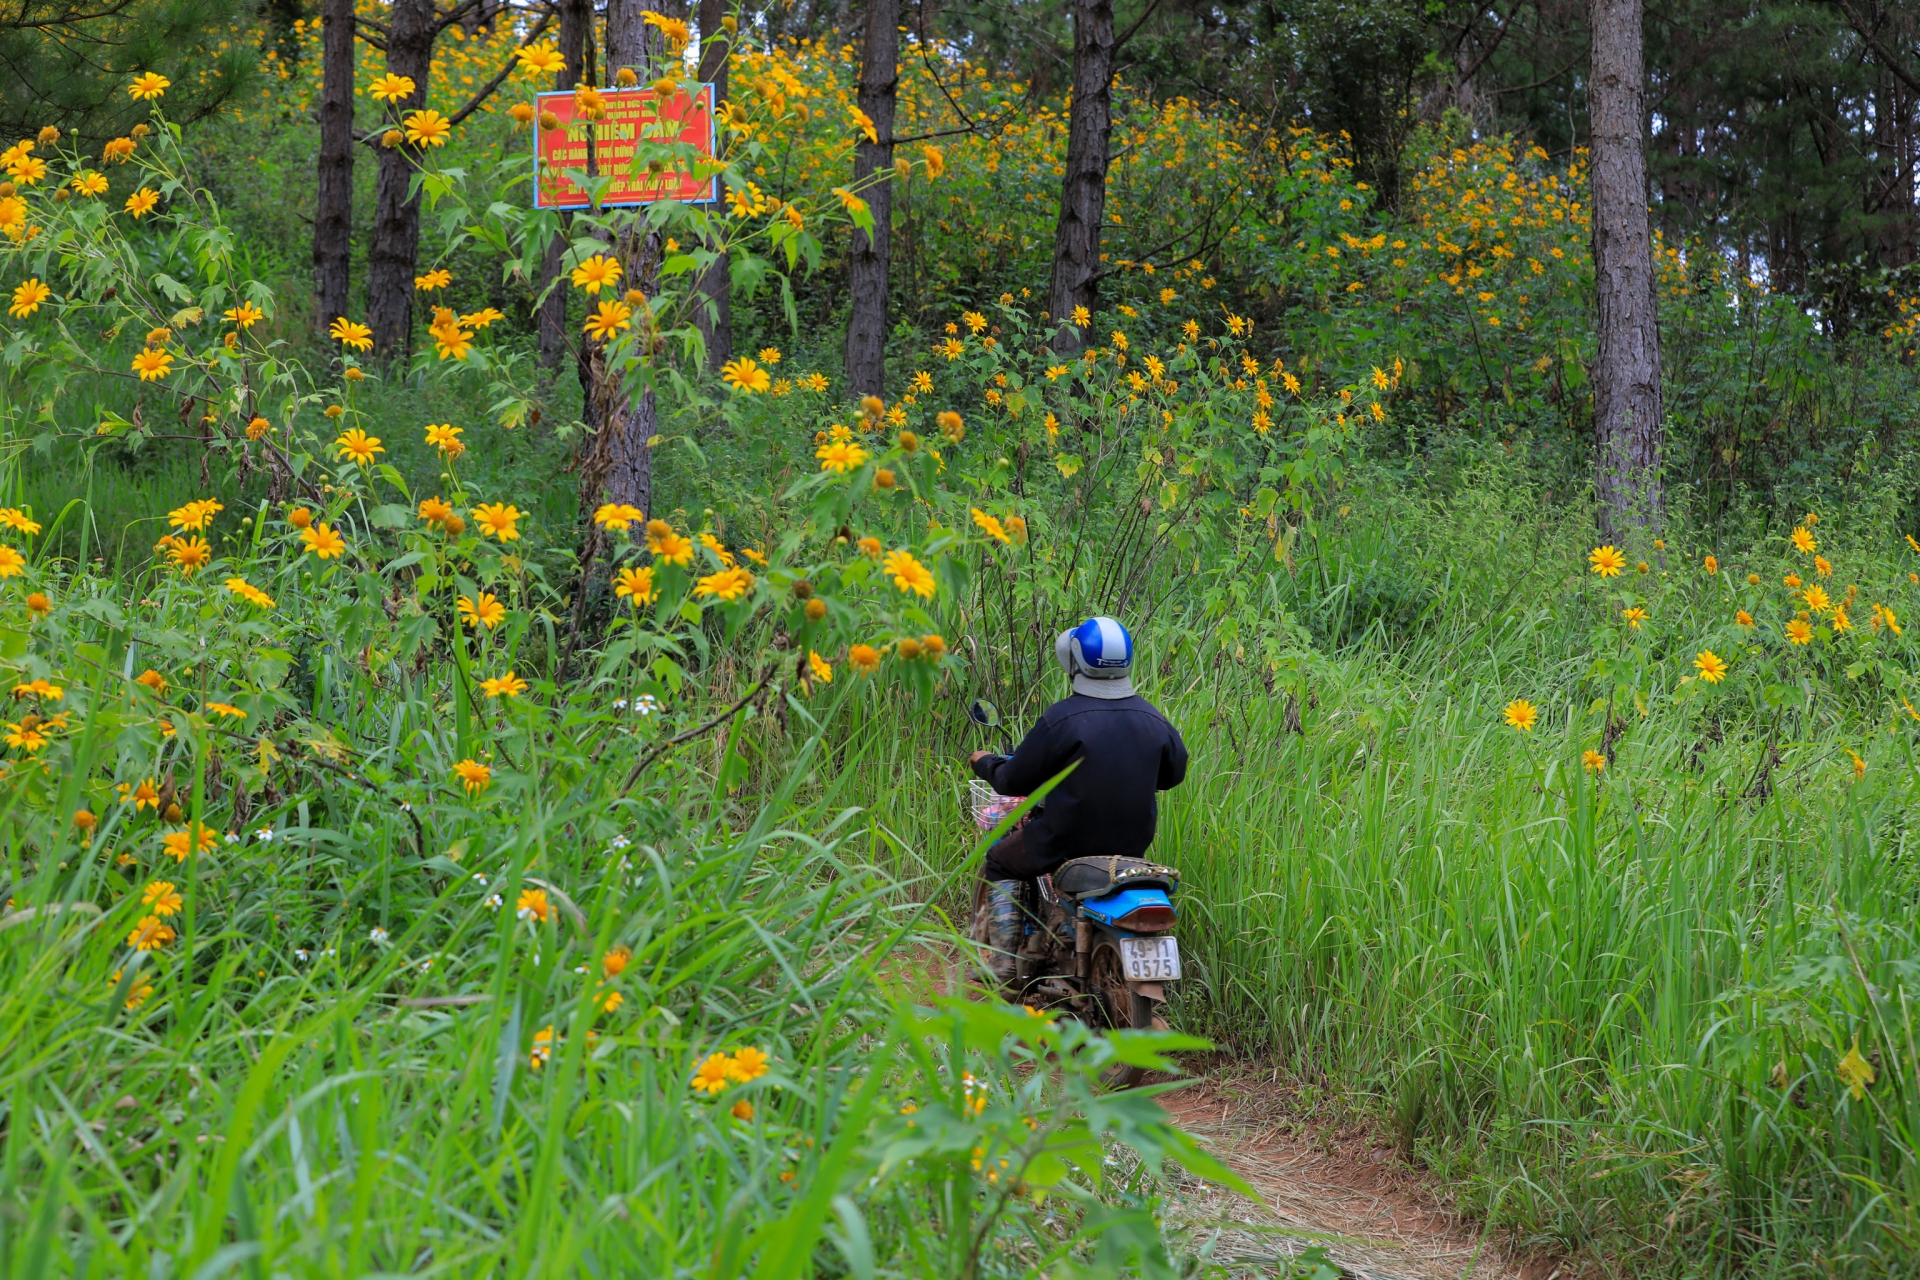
(1150, 959)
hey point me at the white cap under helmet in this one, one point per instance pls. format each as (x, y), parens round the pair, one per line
(1098, 656)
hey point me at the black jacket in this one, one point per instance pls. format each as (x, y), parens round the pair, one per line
(1127, 751)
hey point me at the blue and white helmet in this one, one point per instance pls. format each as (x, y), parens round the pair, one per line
(1097, 656)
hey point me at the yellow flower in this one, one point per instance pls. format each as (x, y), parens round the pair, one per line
(533, 905)
(728, 584)
(161, 898)
(250, 593)
(151, 934)
(117, 151)
(450, 341)
(1822, 566)
(427, 128)
(436, 279)
(748, 1065)
(484, 610)
(1803, 540)
(89, 183)
(742, 1110)
(1859, 765)
(1742, 617)
(635, 585)
(718, 548)
(349, 333)
(473, 776)
(27, 297)
(359, 446)
(12, 563)
(936, 163)
(246, 315)
(542, 1047)
(26, 735)
(588, 102)
(39, 689)
(1841, 622)
(1593, 761)
(506, 686)
(146, 795)
(1856, 1072)
(323, 541)
(190, 555)
(196, 515)
(152, 365)
(1712, 668)
(142, 202)
(227, 709)
(1634, 617)
(391, 88)
(822, 670)
(609, 319)
(1607, 561)
(1711, 565)
(714, 1074)
(176, 842)
(992, 527)
(597, 273)
(672, 547)
(1799, 631)
(148, 85)
(496, 519)
(445, 437)
(39, 606)
(1521, 715)
(865, 659)
(543, 58)
(770, 355)
(852, 203)
(744, 375)
(908, 574)
(840, 456)
(1816, 598)
(617, 516)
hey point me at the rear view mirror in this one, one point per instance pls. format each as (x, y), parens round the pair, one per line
(984, 713)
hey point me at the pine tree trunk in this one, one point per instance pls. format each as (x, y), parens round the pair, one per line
(1083, 190)
(575, 17)
(333, 204)
(715, 318)
(395, 255)
(616, 463)
(1626, 376)
(867, 262)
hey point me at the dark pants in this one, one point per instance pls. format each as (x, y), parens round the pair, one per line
(1010, 859)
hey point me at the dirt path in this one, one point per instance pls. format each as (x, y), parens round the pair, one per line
(1355, 1199)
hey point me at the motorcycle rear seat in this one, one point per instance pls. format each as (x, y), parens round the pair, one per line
(1093, 877)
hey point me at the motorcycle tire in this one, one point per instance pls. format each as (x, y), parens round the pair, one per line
(1120, 1007)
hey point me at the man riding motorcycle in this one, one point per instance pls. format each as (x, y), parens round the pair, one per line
(1127, 752)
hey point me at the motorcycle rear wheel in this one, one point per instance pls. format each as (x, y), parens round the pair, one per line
(1119, 1006)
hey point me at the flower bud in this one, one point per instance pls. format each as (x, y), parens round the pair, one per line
(883, 479)
(625, 78)
(454, 526)
(392, 138)
(549, 122)
(816, 609)
(139, 131)
(909, 442)
(49, 135)
(300, 518)
(909, 649)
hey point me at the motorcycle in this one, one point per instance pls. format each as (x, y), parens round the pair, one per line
(1098, 937)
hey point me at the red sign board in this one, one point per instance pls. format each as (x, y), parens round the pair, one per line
(636, 121)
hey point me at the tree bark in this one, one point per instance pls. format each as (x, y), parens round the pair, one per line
(1083, 189)
(714, 319)
(868, 260)
(575, 17)
(396, 216)
(1626, 382)
(333, 203)
(616, 463)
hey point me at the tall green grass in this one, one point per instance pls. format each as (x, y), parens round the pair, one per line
(1610, 1010)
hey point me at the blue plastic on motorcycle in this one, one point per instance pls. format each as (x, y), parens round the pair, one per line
(1116, 906)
